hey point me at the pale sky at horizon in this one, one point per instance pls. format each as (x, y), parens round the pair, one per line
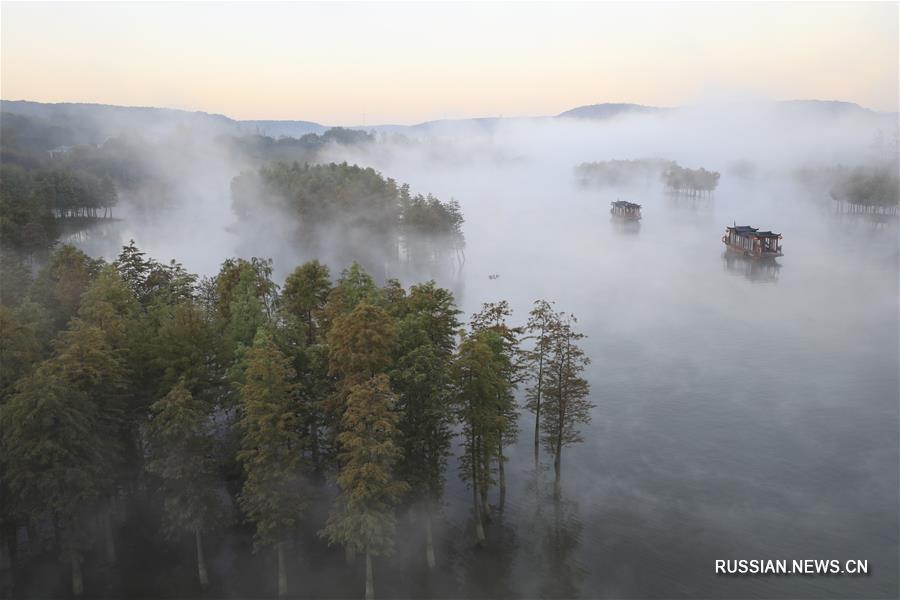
(343, 63)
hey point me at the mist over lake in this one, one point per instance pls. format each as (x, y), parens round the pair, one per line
(742, 409)
(450, 300)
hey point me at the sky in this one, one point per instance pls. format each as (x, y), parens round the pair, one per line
(374, 62)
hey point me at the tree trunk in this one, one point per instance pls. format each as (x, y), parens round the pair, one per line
(6, 555)
(77, 578)
(502, 473)
(282, 573)
(201, 560)
(537, 409)
(429, 539)
(370, 579)
(108, 536)
(350, 554)
(557, 466)
(314, 448)
(479, 527)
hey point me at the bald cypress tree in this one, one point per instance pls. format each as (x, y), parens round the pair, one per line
(61, 442)
(541, 321)
(274, 494)
(182, 456)
(363, 518)
(505, 343)
(55, 459)
(305, 294)
(479, 381)
(566, 398)
(361, 345)
(420, 375)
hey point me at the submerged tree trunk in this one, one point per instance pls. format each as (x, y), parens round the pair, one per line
(370, 579)
(282, 572)
(537, 409)
(429, 539)
(77, 578)
(201, 560)
(476, 500)
(110, 541)
(557, 465)
(314, 448)
(502, 474)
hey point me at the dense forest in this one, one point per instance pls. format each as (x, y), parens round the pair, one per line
(227, 404)
(232, 402)
(353, 213)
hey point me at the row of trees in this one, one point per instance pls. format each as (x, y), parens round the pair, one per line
(232, 396)
(874, 190)
(621, 172)
(692, 182)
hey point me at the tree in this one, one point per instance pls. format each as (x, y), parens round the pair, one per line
(246, 312)
(420, 375)
(541, 321)
(20, 344)
(566, 402)
(181, 453)
(303, 328)
(274, 495)
(305, 294)
(363, 518)
(361, 343)
(60, 436)
(505, 344)
(61, 283)
(478, 382)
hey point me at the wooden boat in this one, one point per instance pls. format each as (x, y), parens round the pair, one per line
(625, 211)
(750, 241)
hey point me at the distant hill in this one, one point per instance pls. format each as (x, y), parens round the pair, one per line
(92, 123)
(282, 128)
(825, 108)
(608, 110)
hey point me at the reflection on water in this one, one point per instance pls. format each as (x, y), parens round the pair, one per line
(625, 227)
(753, 269)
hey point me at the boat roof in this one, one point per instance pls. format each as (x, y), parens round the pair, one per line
(624, 204)
(746, 230)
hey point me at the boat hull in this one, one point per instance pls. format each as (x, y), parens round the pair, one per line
(750, 254)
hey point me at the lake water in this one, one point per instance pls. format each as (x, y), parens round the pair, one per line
(741, 411)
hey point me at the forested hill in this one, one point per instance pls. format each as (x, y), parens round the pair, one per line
(93, 122)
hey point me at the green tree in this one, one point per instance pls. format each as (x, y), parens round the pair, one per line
(60, 284)
(21, 346)
(541, 321)
(364, 515)
(305, 294)
(61, 438)
(505, 343)
(566, 396)
(274, 494)
(478, 380)
(361, 343)
(181, 451)
(420, 376)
